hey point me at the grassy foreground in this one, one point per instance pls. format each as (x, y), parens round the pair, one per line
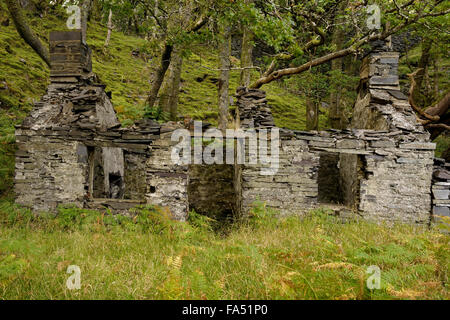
(151, 257)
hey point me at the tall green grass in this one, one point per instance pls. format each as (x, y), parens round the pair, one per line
(149, 256)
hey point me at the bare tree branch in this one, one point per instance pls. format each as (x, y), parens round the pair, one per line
(274, 75)
(411, 97)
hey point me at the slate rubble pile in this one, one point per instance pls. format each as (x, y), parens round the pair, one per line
(380, 104)
(254, 112)
(78, 112)
(441, 188)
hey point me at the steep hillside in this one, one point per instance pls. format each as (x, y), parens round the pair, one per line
(125, 68)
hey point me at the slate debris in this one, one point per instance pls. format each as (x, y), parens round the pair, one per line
(254, 112)
(441, 190)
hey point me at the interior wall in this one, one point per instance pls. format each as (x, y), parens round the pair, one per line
(113, 164)
(96, 173)
(328, 179)
(351, 174)
(211, 190)
(134, 175)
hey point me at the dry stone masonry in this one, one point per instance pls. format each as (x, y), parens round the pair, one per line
(383, 176)
(72, 150)
(253, 109)
(441, 189)
(381, 169)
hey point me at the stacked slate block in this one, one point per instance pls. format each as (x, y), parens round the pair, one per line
(380, 104)
(254, 112)
(441, 189)
(70, 58)
(293, 189)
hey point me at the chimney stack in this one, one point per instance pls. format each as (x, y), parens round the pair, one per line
(70, 58)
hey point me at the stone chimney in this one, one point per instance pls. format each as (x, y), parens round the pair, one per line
(380, 70)
(253, 110)
(380, 105)
(70, 58)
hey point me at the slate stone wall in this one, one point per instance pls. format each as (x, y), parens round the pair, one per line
(383, 176)
(380, 104)
(48, 172)
(441, 190)
(293, 189)
(134, 175)
(69, 56)
(253, 110)
(167, 183)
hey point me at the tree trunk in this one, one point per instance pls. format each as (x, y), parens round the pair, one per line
(159, 76)
(312, 114)
(96, 10)
(224, 77)
(446, 155)
(168, 98)
(176, 74)
(435, 118)
(108, 36)
(436, 76)
(85, 9)
(165, 91)
(246, 56)
(136, 24)
(164, 65)
(423, 65)
(335, 115)
(26, 32)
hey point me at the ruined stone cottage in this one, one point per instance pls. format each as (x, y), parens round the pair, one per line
(72, 150)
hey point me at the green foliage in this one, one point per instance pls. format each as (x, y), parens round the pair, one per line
(10, 267)
(443, 223)
(156, 113)
(145, 219)
(260, 215)
(13, 214)
(154, 219)
(201, 222)
(442, 144)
